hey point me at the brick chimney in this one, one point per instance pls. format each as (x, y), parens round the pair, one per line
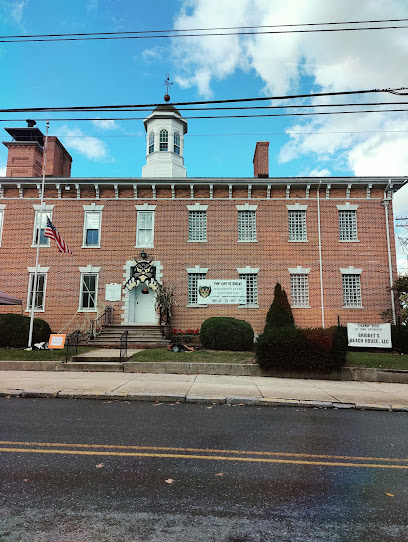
(25, 154)
(261, 159)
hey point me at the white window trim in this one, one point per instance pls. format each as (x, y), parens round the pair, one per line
(2, 213)
(197, 207)
(299, 270)
(31, 273)
(192, 271)
(89, 270)
(46, 208)
(252, 208)
(246, 207)
(297, 207)
(151, 245)
(249, 271)
(94, 208)
(347, 207)
(352, 271)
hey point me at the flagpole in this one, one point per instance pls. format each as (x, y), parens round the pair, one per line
(30, 333)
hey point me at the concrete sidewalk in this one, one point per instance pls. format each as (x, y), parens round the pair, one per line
(250, 390)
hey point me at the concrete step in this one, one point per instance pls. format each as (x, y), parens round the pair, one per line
(90, 366)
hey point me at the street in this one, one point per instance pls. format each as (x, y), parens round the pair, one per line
(94, 471)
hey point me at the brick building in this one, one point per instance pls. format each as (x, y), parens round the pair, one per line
(328, 241)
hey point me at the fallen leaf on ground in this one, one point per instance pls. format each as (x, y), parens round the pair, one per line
(219, 474)
(106, 402)
(209, 407)
(156, 404)
(99, 465)
(25, 480)
(390, 495)
(169, 481)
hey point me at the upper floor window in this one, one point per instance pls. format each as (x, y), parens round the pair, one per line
(246, 225)
(145, 229)
(164, 140)
(176, 143)
(348, 222)
(92, 225)
(297, 222)
(40, 223)
(197, 222)
(2, 207)
(151, 142)
(351, 287)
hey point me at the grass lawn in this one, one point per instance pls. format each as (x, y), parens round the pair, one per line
(19, 354)
(377, 360)
(199, 356)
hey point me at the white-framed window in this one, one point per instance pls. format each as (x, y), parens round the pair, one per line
(176, 143)
(299, 287)
(151, 142)
(251, 276)
(197, 222)
(194, 275)
(88, 296)
(92, 226)
(246, 222)
(2, 207)
(40, 289)
(164, 140)
(348, 222)
(351, 287)
(145, 226)
(39, 229)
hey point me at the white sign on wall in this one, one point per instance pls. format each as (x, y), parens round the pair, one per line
(113, 292)
(221, 292)
(369, 335)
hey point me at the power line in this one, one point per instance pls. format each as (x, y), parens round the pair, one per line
(205, 34)
(202, 102)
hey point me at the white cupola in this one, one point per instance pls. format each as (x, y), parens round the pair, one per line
(165, 129)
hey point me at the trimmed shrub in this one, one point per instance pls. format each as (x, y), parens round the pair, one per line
(280, 312)
(14, 330)
(290, 348)
(224, 333)
(399, 338)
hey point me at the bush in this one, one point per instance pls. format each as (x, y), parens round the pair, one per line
(399, 338)
(224, 333)
(290, 348)
(280, 312)
(14, 330)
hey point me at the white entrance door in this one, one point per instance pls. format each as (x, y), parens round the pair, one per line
(141, 305)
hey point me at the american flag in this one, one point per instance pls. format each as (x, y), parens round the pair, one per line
(52, 233)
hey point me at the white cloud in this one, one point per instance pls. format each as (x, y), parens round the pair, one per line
(319, 173)
(91, 147)
(105, 124)
(12, 10)
(3, 170)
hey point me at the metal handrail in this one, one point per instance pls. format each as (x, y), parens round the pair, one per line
(123, 345)
(105, 319)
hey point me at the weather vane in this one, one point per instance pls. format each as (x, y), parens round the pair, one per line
(167, 84)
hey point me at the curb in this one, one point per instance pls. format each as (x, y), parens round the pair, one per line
(216, 400)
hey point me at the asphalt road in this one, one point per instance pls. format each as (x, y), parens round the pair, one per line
(97, 471)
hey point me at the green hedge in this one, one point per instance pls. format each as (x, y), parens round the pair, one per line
(290, 348)
(14, 330)
(224, 333)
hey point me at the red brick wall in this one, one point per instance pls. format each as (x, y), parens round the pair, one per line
(261, 160)
(26, 159)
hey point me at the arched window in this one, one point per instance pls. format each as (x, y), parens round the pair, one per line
(176, 142)
(151, 142)
(164, 140)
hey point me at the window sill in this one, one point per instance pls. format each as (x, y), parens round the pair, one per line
(195, 306)
(86, 310)
(248, 306)
(91, 246)
(247, 240)
(41, 246)
(35, 310)
(144, 246)
(349, 240)
(352, 307)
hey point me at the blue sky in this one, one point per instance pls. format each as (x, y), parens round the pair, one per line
(133, 71)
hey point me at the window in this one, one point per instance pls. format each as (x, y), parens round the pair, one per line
(176, 142)
(251, 288)
(89, 290)
(145, 231)
(192, 287)
(1, 220)
(197, 224)
(164, 140)
(246, 226)
(151, 142)
(299, 290)
(348, 225)
(39, 229)
(92, 228)
(297, 225)
(351, 290)
(39, 304)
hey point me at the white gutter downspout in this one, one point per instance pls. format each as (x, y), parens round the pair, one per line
(386, 202)
(320, 252)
